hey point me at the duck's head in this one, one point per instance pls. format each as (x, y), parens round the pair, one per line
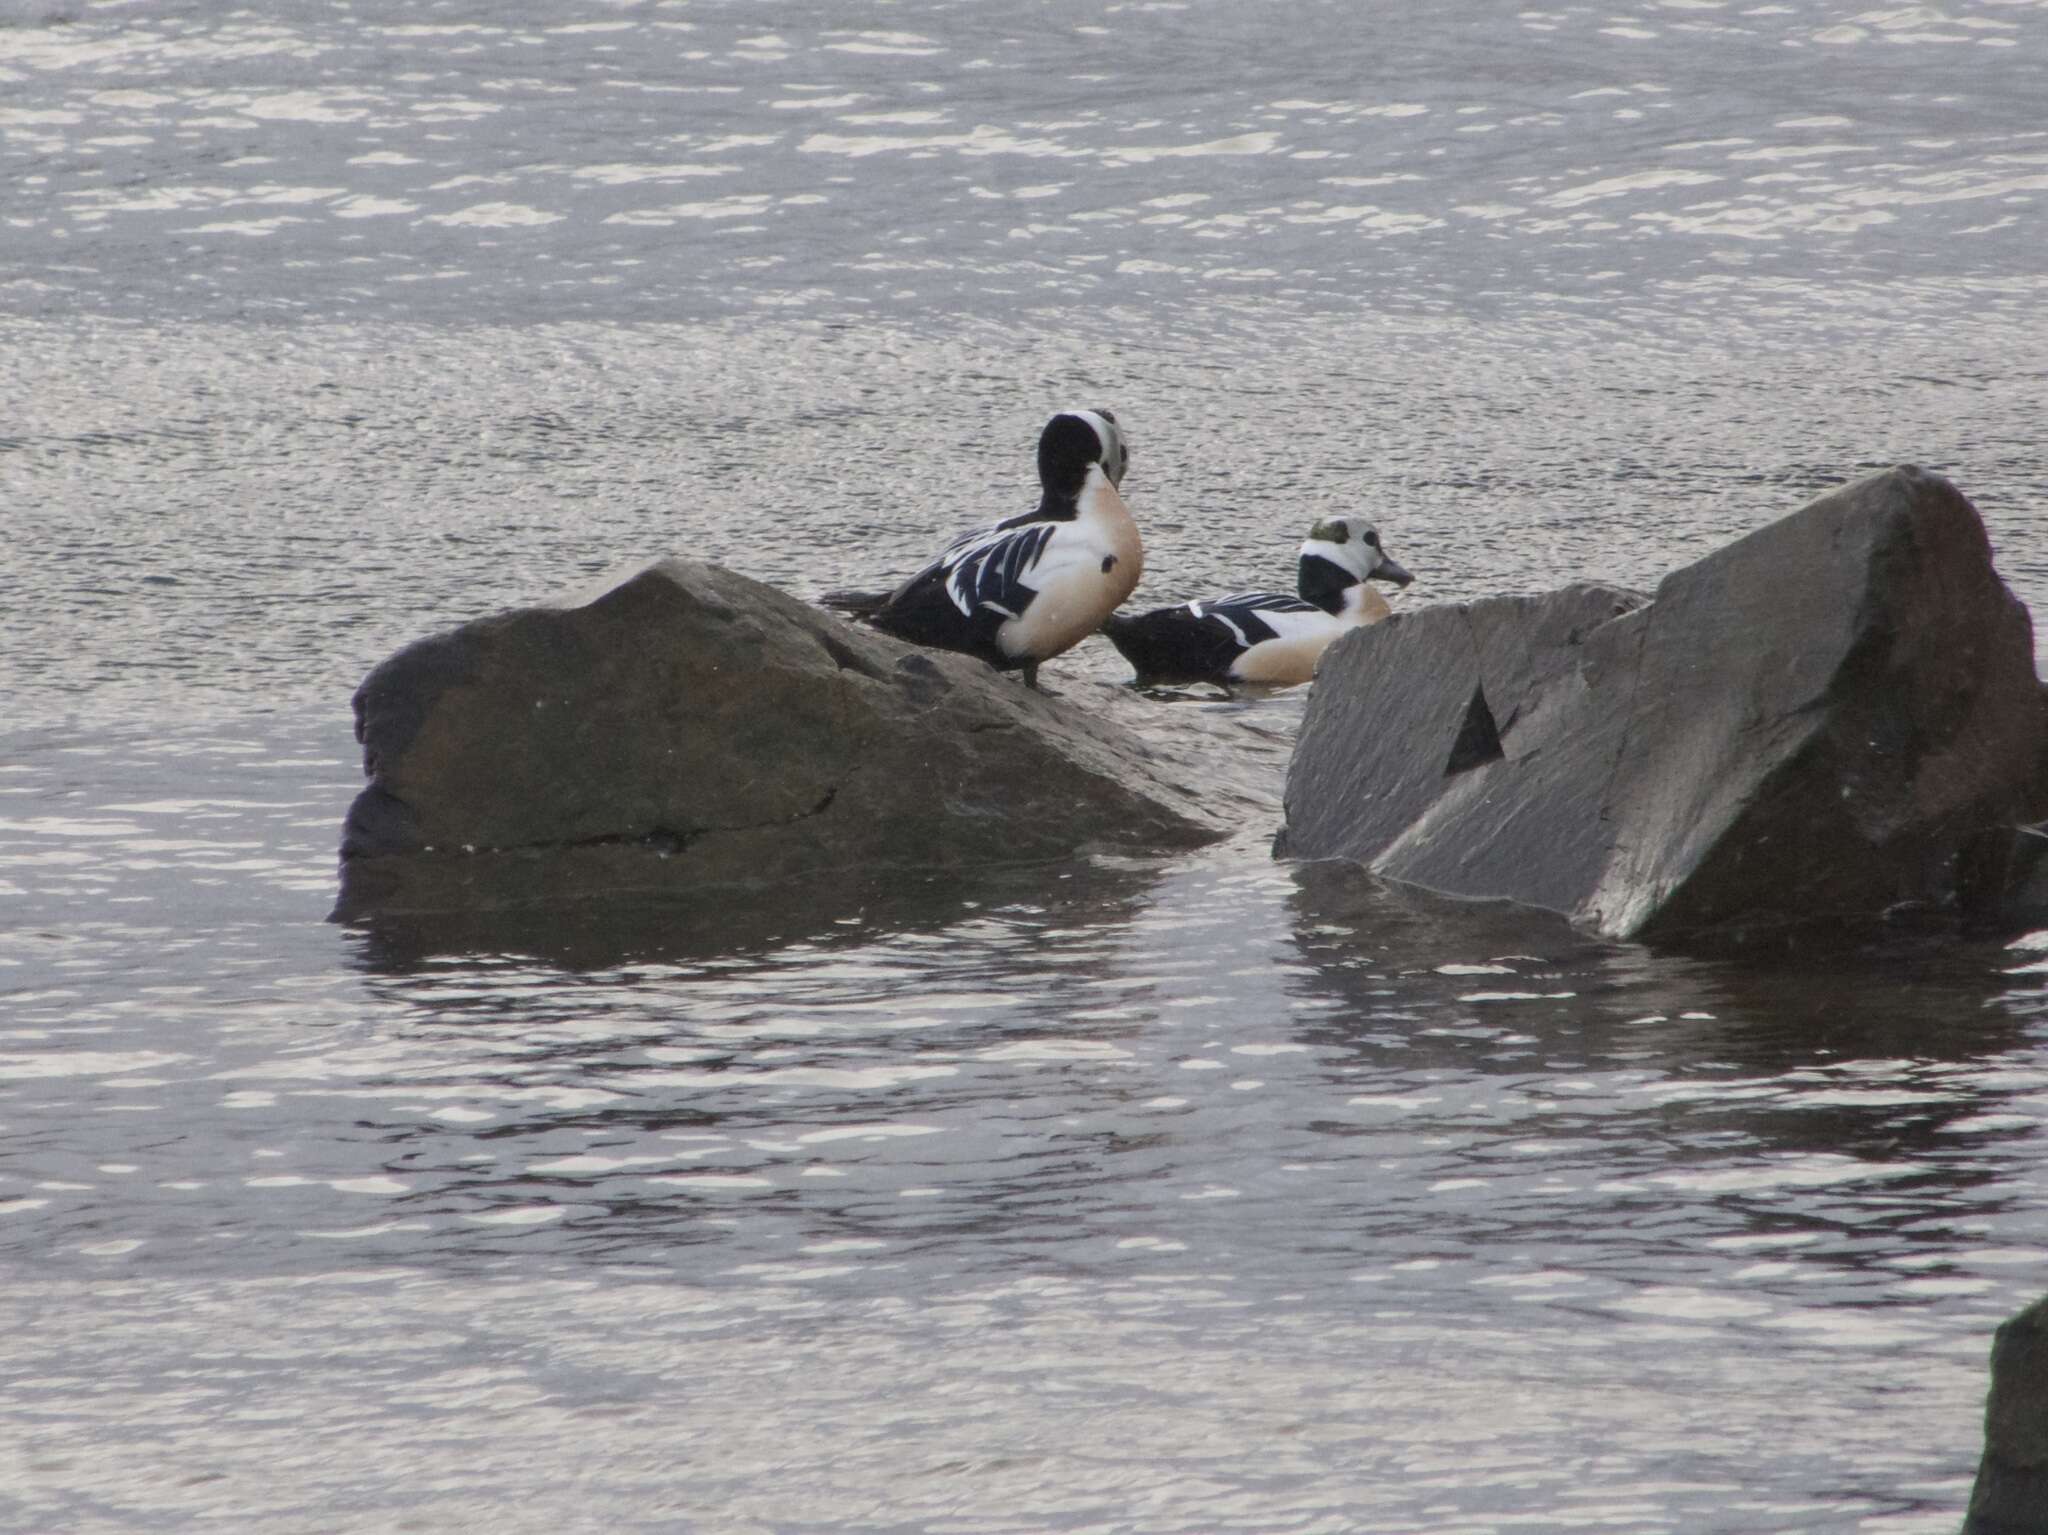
(1354, 546)
(1075, 440)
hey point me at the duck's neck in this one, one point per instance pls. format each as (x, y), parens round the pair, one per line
(1327, 584)
(1094, 496)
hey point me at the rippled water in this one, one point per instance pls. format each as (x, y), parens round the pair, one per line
(1179, 1195)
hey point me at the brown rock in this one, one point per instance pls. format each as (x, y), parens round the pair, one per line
(692, 729)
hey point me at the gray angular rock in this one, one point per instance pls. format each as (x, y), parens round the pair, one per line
(2011, 1493)
(691, 729)
(1831, 719)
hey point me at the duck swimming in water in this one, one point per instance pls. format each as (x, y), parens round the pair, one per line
(1036, 584)
(1266, 636)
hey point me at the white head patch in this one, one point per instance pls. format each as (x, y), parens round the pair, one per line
(1115, 456)
(1345, 542)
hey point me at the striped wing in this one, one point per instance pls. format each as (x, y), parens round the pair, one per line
(992, 569)
(1253, 617)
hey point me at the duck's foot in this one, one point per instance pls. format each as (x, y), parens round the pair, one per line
(1031, 675)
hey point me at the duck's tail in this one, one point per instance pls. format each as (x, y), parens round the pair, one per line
(1172, 645)
(855, 604)
(1138, 641)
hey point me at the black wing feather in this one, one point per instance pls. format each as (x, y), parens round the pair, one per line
(990, 571)
(1196, 641)
(961, 599)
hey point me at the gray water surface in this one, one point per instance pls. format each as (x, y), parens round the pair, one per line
(1190, 1194)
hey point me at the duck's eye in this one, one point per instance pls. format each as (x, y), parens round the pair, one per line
(1372, 538)
(1107, 415)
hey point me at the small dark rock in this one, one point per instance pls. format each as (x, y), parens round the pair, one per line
(2011, 1494)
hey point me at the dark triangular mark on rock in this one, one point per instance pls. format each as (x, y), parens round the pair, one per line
(1478, 738)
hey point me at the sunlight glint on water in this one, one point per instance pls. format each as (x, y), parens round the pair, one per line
(1192, 1194)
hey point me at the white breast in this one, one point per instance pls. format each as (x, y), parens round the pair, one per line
(1075, 592)
(1301, 638)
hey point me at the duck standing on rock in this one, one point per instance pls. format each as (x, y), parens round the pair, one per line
(1033, 585)
(1266, 637)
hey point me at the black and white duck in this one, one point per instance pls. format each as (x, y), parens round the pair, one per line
(1034, 585)
(1267, 637)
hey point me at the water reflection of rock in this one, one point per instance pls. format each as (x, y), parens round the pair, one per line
(740, 926)
(1713, 1075)
(802, 1078)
